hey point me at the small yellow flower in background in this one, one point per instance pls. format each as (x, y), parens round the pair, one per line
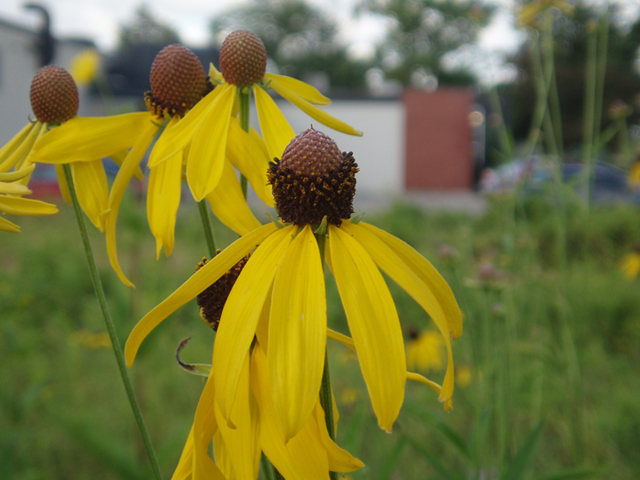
(630, 264)
(178, 82)
(85, 66)
(531, 10)
(463, 375)
(313, 186)
(348, 396)
(91, 340)
(633, 177)
(425, 351)
(210, 126)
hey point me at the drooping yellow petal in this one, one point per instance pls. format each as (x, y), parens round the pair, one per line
(427, 273)
(241, 313)
(276, 131)
(27, 160)
(405, 276)
(12, 145)
(90, 181)
(163, 200)
(119, 157)
(185, 464)
(247, 155)
(197, 283)
(313, 111)
(178, 137)
(16, 156)
(297, 333)
(204, 426)
(339, 459)
(303, 457)
(374, 324)
(117, 192)
(84, 139)
(208, 147)
(304, 90)
(215, 74)
(241, 442)
(62, 184)
(25, 207)
(16, 174)
(12, 188)
(7, 226)
(229, 205)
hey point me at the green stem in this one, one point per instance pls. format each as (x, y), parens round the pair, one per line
(267, 469)
(326, 399)
(115, 343)
(207, 227)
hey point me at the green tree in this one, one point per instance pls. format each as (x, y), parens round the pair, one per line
(422, 32)
(145, 29)
(299, 38)
(571, 33)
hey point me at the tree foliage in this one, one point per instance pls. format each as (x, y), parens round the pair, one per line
(145, 29)
(572, 33)
(299, 38)
(423, 32)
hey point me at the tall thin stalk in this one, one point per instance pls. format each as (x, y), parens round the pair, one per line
(115, 343)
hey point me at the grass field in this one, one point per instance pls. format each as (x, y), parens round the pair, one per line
(547, 365)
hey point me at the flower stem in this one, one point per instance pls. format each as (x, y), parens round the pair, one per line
(102, 301)
(267, 469)
(207, 227)
(326, 399)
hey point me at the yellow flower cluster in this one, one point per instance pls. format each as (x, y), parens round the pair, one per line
(263, 392)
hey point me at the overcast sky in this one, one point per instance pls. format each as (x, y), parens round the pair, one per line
(99, 20)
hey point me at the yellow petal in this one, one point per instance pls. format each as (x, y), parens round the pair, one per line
(197, 283)
(87, 138)
(276, 131)
(303, 457)
(15, 157)
(90, 181)
(12, 188)
(314, 112)
(427, 273)
(185, 464)
(339, 459)
(215, 74)
(229, 205)
(119, 157)
(131, 162)
(241, 442)
(405, 276)
(27, 160)
(204, 426)
(62, 184)
(304, 90)
(207, 151)
(373, 322)
(297, 333)
(246, 154)
(241, 313)
(7, 226)
(16, 174)
(163, 200)
(7, 150)
(25, 207)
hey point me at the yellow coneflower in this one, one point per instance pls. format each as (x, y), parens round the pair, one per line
(314, 185)
(207, 127)
(84, 66)
(425, 351)
(178, 82)
(630, 264)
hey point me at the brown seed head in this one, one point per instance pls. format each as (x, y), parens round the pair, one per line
(178, 80)
(311, 152)
(54, 95)
(243, 58)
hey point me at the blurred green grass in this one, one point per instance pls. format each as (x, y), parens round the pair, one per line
(551, 341)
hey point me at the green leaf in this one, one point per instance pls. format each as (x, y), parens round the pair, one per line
(524, 457)
(433, 460)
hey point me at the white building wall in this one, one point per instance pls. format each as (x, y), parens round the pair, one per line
(379, 152)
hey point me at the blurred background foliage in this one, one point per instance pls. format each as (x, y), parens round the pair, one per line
(546, 369)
